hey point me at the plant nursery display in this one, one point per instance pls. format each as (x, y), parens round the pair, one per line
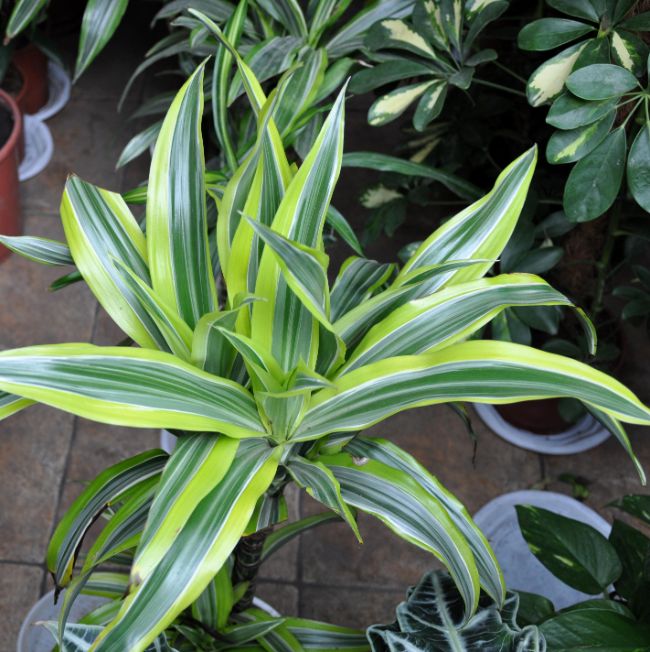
(267, 374)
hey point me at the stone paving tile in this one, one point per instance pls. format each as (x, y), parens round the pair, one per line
(97, 446)
(282, 597)
(348, 606)
(33, 449)
(20, 588)
(31, 313)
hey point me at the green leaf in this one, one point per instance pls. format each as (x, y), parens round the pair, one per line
(23, 13)
(198, 463)
(387, 163)
(101, 19)
(638, 168)
(594, 629)
(139, 144)
(177, 240)
(130, 387)
(399, 35)
(448, 316)
(595, 180)
(533, 608)
(574, 552)
(386, 72)
(640, 22)
(387, 453)
(100, 229)
(636, 505)
(578, 8)
(547, 81)
(549, 33)
(343, 229)
(197, 554)
(572, 145)
(479, 371)
(314, 635)
(390, 106)
(350, 36)
(40, 250)
(10, 404)
(629, 51)
(320, 483)
(430, 105)
(105, 489)
(398, 500)
(570, 112)
(601, 81)
(288, 13)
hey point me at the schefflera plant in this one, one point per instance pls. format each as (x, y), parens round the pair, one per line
(273, 384)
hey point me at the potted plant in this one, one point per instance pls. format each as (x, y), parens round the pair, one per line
(273, 383)
(10, 132)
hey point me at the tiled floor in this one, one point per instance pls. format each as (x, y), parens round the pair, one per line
(46, 456)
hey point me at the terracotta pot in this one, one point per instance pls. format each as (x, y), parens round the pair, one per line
(10, 222)
(540, 417)
(31, 63)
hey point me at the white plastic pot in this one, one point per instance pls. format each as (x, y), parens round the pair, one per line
(34, 637)
(521, 569)
(587, 433)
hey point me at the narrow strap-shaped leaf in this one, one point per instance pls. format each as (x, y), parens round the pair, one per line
(141, 142)
(220, 82)
(343, 229)
(320, 483)
(322, 14)
(283, 535)
(449, 316)
(211, 351)
(386, 452)
(387, 163)
(177, 236)
(104, 489)
(403, 505)
(131, 387)
(79, 637)
(480, 231)
(198, 463)
(177, 334)
(10, 404)
(304, 270)
(214, 605)
(300, 217)
(40, 250)
(614, 426)
(197, 554)
(270, 510)
(23, 13)
(100, 229)
(479, 371)
(315, 635)
(357, 280)
(107, 584)
(276, 638)
(101, 19)
(288, 13)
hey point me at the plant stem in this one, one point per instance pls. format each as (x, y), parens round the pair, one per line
(510, 72)
(500, 87)
(248, 558)
(605, 258)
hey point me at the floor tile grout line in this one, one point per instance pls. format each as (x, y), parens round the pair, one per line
(66, 465)
(19, 562)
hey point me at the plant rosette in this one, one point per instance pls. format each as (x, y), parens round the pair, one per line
(521, 569)
(585, 434)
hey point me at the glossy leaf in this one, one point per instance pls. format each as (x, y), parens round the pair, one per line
(22, 14)
(547, 81)
(572, 145)
(390, 106)
(601, 81)
(638, 168)
(574, 552)
(570, 112)
(549, 33)
(40, 250)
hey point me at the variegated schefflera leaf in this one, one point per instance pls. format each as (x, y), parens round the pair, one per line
(427, 54)
(274, 383)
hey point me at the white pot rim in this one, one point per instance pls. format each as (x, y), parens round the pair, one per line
(584, 435)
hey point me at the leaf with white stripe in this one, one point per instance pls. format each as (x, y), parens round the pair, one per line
(131, 387)
(105, 489)
(398, 500)
(478, 371)
(40, 250)
(198, 552)
(386, 452)
(315, 635)
(10, 404)
(320, 484)
(177, 237)
(390, 106)
(199, 462)
(22, 14)
(357, 280)
(481, 230)
(214, 605)
(450, 315)
(100, 229)
(288, 13)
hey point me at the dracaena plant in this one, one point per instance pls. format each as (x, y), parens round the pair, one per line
(272, 383)
(272, 36)
(100, 20)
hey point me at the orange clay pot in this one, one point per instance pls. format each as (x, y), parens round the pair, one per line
(31, 63)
